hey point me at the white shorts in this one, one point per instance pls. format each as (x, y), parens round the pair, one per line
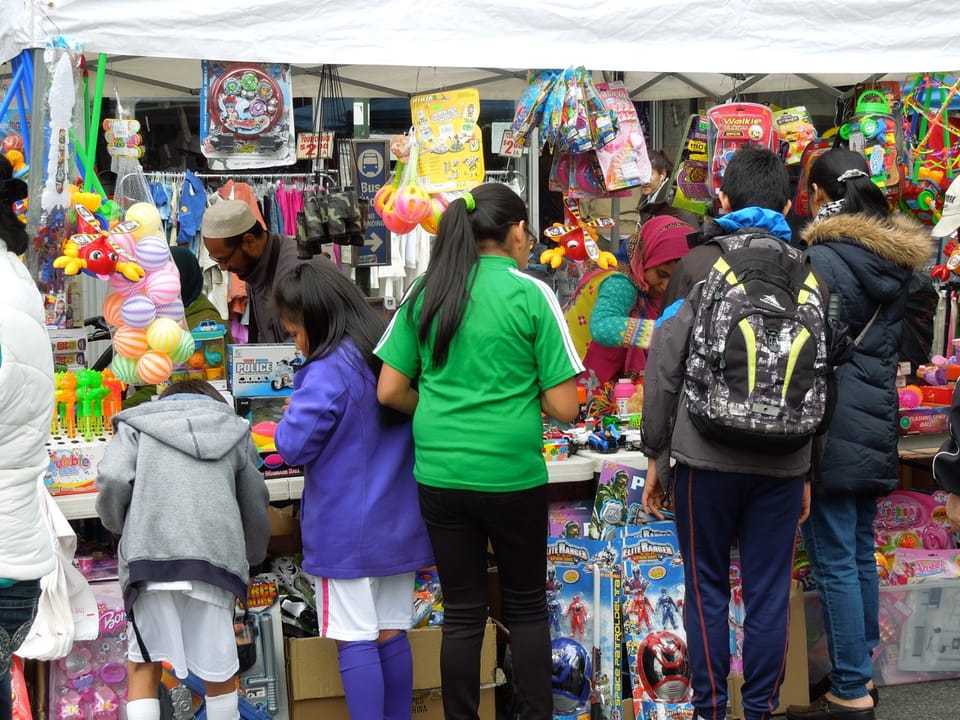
(359, 608)
(187, 632)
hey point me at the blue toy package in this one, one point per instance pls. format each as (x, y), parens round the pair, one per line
(656, 642)
(583, 586)
(618, 501)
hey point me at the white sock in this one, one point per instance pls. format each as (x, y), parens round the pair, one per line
(222, 707)
(146, 709)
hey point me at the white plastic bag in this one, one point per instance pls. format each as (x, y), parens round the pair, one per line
(67, 609)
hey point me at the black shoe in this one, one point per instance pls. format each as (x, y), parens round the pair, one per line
(823, 709)
(822, 687)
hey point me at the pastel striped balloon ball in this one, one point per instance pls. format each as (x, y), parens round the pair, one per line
(138, 311)
(154, 367)
(130, 342)
(173, 310)
(164, 335)
(126, 370)
(111, 309)
(118, 283)
(152, 252)
(184, 350)
(162, 286)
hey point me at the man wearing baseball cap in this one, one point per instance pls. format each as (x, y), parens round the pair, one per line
(950, 219)
(238, 242)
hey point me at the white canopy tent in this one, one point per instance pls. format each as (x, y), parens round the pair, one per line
(698, 48)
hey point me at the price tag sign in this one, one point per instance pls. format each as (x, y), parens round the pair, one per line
(509, 146)
(315, 145)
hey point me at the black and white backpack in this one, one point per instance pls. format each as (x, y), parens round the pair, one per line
(757, 369)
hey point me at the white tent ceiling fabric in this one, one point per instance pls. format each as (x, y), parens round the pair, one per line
(399, 47)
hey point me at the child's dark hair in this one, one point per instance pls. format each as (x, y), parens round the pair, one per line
(12, 232)
(858, 191)
(449, 278)
(756, 177)
(193, 386)
(329, 307)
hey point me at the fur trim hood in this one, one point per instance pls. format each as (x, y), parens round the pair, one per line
(900, 239)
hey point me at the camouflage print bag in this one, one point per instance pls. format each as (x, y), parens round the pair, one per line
(757, 369)
(345, 221)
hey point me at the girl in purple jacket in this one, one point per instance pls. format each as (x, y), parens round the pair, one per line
(363, 536)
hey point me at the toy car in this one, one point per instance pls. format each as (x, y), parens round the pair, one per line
(606, 440)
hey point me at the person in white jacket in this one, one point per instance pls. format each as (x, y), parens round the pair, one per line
(26, 409)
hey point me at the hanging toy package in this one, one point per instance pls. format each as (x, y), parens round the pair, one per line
(246, 115)
(731, 126)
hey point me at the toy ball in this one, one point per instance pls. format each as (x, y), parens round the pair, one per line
(154, 367)
(119, 284)
(138, 311)
(124, 241)
(393, 222)
(147, 217)
(162, 286)
(431, 223)
(111, 211)
(411, 204)
(130, 342)
(152, 253)
(172, 310)
(383, 197)
(164, 335)
(12, 142)
(125, 370)
(197, 361)
(111, 309)
(184, 349)
(910, 397)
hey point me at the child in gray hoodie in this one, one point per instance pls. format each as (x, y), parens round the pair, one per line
(179, 483)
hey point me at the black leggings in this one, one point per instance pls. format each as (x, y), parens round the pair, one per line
(460, 522)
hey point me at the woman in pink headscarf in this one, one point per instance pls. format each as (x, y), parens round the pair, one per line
(628, 302)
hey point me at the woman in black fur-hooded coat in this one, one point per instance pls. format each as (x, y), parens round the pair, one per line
(866, 257)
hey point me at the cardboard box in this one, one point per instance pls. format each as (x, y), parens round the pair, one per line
(69, 349)
(427, 705)
(262, 370)
(73, 464)
(316, 690)
(284, 530)
(263, 414)
(314, 672)
(924, 420)
(796, 683)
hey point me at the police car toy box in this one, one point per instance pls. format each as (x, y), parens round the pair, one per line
(261, 370)
(582, 587)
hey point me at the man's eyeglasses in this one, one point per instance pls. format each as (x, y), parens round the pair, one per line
(227, 259)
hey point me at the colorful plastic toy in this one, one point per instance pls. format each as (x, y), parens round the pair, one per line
(577, 239)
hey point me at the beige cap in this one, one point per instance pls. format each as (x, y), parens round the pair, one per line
(227, 219)
(950, 220)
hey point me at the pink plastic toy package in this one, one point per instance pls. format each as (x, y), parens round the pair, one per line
(908, 519)
(90, 683)
(916, 566)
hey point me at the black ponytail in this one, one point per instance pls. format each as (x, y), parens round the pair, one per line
(12, 232)
(859, 193)
(449, 278)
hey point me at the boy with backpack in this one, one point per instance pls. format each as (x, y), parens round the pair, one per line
(735, 389)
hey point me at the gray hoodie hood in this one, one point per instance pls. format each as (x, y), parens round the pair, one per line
(197, 425)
